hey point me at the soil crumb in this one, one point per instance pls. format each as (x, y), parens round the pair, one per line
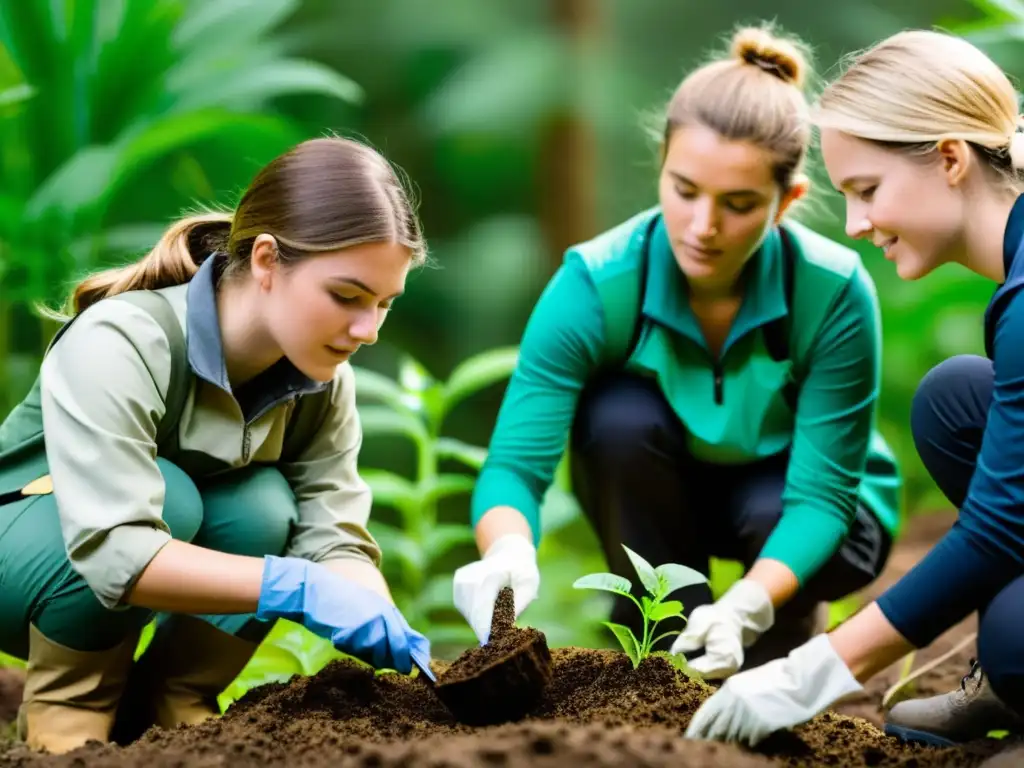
(597, 710)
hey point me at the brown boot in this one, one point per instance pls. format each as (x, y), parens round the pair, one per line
(179, 677)
(71, 697)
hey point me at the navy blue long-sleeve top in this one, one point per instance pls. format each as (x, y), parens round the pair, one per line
(984, 550)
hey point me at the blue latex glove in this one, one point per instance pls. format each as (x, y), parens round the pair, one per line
(356, 620)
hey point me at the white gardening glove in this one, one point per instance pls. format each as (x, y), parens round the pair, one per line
(780, 694)
(724, 628)
(511, 561)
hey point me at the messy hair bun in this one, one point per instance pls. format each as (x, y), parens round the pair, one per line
(753, 91)
(757, 46)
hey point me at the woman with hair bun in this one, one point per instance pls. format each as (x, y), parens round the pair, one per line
(713, 369)
(189, 454)
(922, 136)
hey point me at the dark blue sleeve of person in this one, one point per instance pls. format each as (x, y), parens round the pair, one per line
(984, 550)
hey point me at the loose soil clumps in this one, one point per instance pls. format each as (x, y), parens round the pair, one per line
(596, 710)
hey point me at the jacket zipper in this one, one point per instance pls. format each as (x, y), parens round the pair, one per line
(719, 376)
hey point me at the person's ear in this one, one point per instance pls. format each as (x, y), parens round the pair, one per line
(263, 261)
(955, 158)
(801, 186)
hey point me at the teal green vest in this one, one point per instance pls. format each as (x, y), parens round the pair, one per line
(735, 409)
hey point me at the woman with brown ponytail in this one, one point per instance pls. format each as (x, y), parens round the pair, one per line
(189, 451)
(714, 371)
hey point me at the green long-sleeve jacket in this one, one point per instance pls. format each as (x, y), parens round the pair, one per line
(734, 409)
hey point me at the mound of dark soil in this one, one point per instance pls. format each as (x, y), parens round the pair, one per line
(596, 711)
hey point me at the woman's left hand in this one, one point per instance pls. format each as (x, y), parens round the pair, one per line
(724, 628)
(781, 694)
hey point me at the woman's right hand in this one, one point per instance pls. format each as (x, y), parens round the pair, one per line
(511, 561)
(358, 621)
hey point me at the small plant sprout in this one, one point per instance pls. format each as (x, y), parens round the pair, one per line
(659, 582)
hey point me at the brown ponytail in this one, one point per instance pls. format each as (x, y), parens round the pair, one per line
(170, 262)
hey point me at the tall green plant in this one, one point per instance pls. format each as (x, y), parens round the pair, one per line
(138, 110)
(414, 406)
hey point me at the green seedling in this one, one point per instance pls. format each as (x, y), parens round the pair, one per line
(659, 582)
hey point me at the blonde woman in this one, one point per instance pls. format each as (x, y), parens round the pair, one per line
(189, 452)
(714, 368)
(921, 135)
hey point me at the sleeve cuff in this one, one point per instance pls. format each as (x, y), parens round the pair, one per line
(113, 568)
(952, 581)
(804, 540)
(504, 488)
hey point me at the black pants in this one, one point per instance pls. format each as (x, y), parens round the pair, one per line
(639, 486)
(948, 419)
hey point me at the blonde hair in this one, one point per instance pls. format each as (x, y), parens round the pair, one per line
(322, 195)
(920, 87)
(754, 93)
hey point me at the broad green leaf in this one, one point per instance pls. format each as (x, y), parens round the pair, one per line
(440, 539)
(158, 138)
(225, 23)
(380, 420)
(608, 582)
(395, 543)
(479, 372)
(647, 574)
(252, 87)
(1010, 10)
(627, 640)
(446, 485)
(16, 95)
(391, 489)
(77, 185)
(377, 386)
(667, 610)
(672, 576)
(471, 455)
(412, 375)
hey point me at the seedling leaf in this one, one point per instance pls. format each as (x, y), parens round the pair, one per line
(647, 574)
(608, 582)
(673, 609)
(672, 576)
(629, 644)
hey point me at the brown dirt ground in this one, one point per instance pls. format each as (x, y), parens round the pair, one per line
(596, 711)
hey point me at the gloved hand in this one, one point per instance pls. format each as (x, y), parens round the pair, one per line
(511, 561)
(724, 628)
(355, 619)
(780, 694)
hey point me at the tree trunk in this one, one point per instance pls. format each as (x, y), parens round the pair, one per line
(568, 147)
